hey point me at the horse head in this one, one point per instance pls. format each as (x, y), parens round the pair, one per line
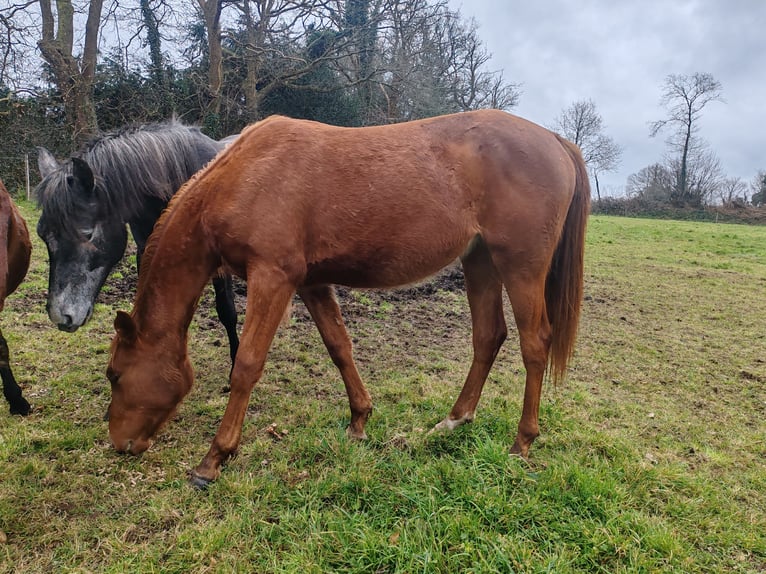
(148, 383)
(84, 240)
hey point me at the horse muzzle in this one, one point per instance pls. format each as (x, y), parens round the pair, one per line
(68, 327)
(69, 321)
(134, 447)
(68, 315)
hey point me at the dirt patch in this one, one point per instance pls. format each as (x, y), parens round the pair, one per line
(120, 287)
(357, 305)
(449, 280)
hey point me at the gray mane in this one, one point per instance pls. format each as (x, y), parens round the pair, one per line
(130, 166)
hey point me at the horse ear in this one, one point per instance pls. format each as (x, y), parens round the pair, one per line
(81, 171)
(125, 327)
(46, 163)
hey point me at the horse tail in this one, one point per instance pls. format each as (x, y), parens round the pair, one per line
(564, 284)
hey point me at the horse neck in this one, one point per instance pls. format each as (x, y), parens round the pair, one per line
(171, 280)
(137, 182)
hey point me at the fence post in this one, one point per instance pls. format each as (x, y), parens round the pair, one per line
(26, 172)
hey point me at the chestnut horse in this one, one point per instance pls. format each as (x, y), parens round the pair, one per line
(296, 205)
(15, 250)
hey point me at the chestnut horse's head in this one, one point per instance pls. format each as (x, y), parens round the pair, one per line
(148, 383)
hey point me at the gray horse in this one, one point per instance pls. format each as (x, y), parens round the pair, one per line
(124, 177)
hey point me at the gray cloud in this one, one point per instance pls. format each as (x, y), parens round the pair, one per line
(619, 53)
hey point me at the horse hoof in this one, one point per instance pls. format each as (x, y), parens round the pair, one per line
(355, 435)
(199, 482)
(445, 426)
(21, 407)
(518, 451)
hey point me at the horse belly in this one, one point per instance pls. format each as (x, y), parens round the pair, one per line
(388, 261)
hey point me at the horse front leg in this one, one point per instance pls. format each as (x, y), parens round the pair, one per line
(268, 295)
(324, 309)
(11, 389)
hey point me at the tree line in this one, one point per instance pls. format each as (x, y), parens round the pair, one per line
(691, 174)
(72, 69)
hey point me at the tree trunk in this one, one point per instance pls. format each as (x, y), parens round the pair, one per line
(211, 12)
(364, 34)
(598, 190)
(157, 69)
(683, 185)
(74, 83)
(256, 37)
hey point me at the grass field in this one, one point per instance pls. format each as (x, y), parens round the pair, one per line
(652, 456)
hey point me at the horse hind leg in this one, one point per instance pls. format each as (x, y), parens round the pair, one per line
(324, 309)
(527, 294)
(485, 299)
(11, 390)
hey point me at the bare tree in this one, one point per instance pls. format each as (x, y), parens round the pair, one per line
(298, 35)
(653, 183)
(391, 59)
(732, 191)
(685, 97)
(473, 86)
(73, 75)
(15, 26)
(434, 63)
(704, 176)
(582, 124)
(412, 84)
(211, 16)
(276, 44)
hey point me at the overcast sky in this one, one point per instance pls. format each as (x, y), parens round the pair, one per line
(618, 53)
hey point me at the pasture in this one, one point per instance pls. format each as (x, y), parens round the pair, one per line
(652, 454)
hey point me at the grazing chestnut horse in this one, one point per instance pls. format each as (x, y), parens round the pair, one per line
(15, 250)
(296, 205)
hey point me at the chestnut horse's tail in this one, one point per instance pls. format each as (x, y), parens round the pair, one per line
(564, 285)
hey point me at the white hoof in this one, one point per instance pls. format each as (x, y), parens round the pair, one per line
(355, 436)
(448, 424)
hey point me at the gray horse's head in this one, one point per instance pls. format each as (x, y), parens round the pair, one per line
(84, 240)
(122, 177)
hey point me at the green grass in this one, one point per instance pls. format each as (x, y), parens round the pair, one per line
(652, 456)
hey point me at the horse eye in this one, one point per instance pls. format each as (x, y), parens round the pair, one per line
(87, 233)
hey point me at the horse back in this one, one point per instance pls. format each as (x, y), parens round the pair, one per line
(385, 205)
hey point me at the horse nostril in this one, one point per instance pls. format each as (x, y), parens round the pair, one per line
(122, 447)
(67, 324)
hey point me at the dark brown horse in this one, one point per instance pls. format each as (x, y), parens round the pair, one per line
(298, 206)
(15, 250)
